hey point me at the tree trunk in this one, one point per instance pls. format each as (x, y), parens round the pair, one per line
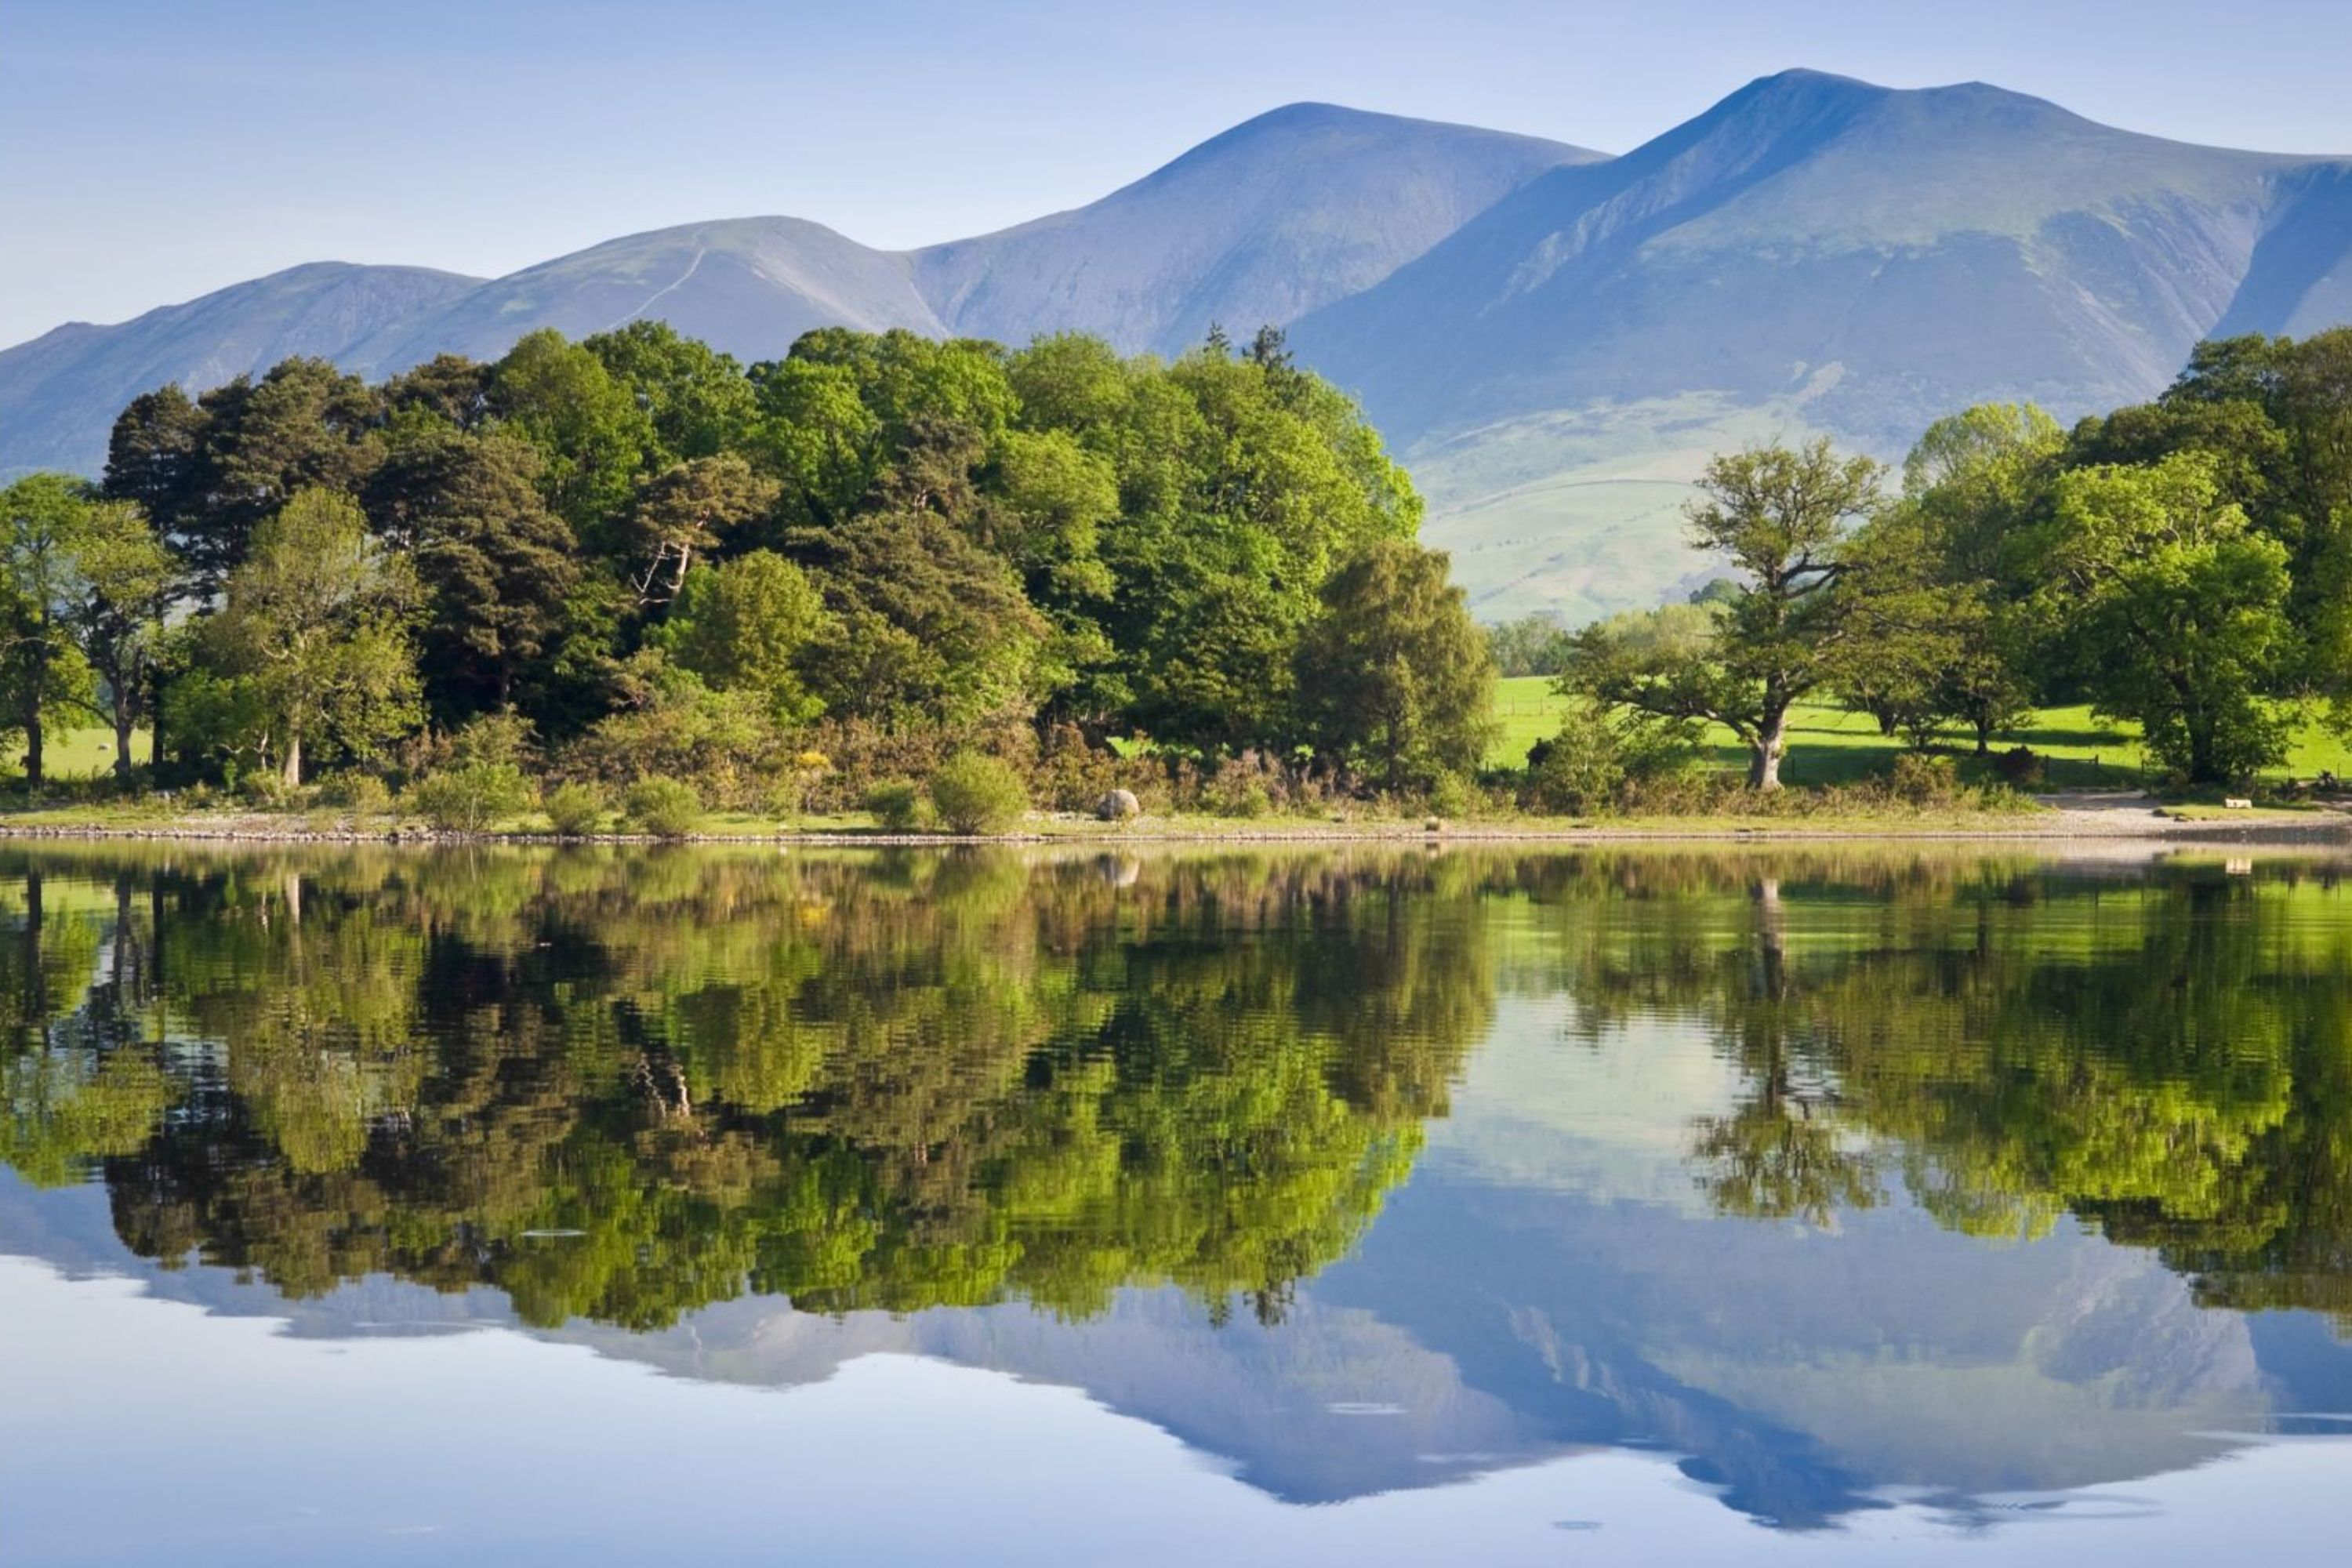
(1764, 754)
(1984, 737)
(33, 745)
(293, 772)
(122, 738)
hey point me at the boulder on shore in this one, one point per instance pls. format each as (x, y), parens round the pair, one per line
(1119, 805)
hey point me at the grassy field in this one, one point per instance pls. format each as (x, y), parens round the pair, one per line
(76, 754)
(1831, 745)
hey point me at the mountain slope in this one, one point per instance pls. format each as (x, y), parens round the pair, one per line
(749, 286)
(1813, 254)
(59, 393)
(1297, 208)
(1935, 247)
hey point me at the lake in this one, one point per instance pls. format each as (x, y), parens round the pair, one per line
(1839, 1204)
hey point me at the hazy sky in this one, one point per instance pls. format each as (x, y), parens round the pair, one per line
(149, 151)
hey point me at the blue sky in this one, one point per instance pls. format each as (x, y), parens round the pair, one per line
(149, 151)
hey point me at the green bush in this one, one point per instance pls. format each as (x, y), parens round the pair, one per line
(360, 793)
(975, 793)
(469, 797)
(1454, 796)
(574, 809)
(1600, 760)
(897, 805)
(664, 807)
(1928, 782)
(265, 789)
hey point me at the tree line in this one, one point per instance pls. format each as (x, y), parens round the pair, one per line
(632, 556)
(2183, 564)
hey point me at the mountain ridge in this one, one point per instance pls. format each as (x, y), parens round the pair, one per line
(1551, 338)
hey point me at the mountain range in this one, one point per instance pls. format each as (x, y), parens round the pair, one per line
(1553, 339)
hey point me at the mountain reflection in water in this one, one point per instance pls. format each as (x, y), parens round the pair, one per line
(1843, 1177)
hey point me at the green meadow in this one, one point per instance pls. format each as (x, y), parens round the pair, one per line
(1829, 744)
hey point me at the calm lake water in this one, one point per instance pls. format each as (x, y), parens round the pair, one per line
(1470, 1205)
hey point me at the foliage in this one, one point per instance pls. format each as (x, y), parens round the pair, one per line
(1394, 681)
(1776, 517)
(898, 805)
(574, 809)
(469, 797)
(664, 807)
(315, 628)
(1585, 768)
(664, 561)
(749, 624)
(975, 793)
(2182, 607)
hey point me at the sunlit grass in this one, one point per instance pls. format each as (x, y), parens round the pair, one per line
(1829, 744)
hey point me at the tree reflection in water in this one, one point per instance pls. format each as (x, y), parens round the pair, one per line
(621, 1086)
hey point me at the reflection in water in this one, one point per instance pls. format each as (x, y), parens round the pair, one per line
(1954, 1148)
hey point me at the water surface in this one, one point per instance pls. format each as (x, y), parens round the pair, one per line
(366, 1205)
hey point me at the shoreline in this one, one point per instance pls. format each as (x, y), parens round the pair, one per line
(2048, 824)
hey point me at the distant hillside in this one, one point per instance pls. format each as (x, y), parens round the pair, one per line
(1283, 213)
(60, 393)
(1812, 254)
(1553, 339)
(749, 285)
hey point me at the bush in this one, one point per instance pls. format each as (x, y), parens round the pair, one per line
(470, 796)
(664, 807)
(574, 809)
(265, 789)
(974, 792)
(2019, 767)
(1928, 782)
(1454, 796)
(361, 794)
(897, 805)
(1600, 761)
(1245, 786)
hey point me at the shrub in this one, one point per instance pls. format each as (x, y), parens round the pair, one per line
(664, 807)
(974, 792)
(361, 794)
(1071, 774)
(470, 796)
(1453, 795)
(2019, 767)
(1928, 782)
(265, 789)
(897, 804)
(1599, 762)
(574, 809)
(1245, 786)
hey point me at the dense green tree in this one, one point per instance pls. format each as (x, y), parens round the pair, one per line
(303, 425)
(592, 436)
(498, 567)
(43, 521)
(928, 625)
(315, 626)
(120, 583)
(750, 624)
(151, 456)
(684, 513)
(1395, 681)
(2177, 608)
(698, 399)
